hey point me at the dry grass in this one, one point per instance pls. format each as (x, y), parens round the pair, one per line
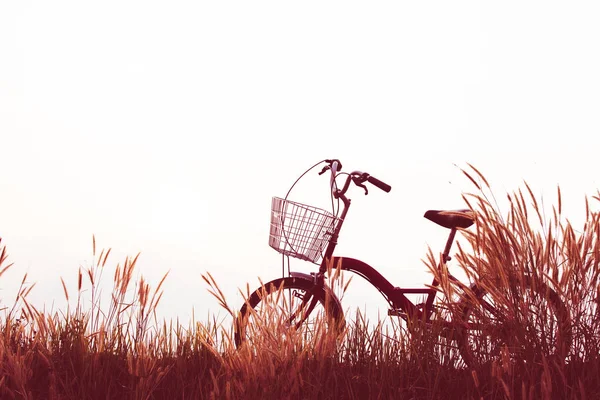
(115, 347)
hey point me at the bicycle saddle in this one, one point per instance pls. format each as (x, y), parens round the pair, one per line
(452, 218)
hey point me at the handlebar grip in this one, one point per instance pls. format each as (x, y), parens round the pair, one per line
(381, 185)
(333, 161)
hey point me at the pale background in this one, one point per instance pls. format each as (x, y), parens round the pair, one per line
(165, 128)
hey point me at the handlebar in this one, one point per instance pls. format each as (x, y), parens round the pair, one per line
(381, 185)
(358, 177)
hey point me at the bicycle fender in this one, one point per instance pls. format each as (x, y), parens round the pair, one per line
(301, 275)
(327, 289)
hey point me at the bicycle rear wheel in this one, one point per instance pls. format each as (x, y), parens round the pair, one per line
(285, 306)
(526, 321)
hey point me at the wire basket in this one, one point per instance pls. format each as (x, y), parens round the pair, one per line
(299, 230)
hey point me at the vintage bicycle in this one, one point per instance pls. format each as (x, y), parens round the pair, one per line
(311, 234)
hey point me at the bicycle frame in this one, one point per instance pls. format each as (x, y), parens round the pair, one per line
(313, 291)
(395, 296)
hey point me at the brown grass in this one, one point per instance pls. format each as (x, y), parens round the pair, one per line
(116, 348)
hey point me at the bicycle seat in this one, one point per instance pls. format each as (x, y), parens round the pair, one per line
(451, 219)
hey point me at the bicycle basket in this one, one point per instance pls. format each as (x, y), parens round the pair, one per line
(299, 230)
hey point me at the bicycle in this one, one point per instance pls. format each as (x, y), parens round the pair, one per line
(311, 234)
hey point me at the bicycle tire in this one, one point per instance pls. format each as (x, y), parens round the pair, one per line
(525, 335)
(266, 308)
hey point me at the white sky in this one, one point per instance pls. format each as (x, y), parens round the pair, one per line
(165, 128)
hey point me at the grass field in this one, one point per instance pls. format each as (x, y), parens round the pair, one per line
(117, 350)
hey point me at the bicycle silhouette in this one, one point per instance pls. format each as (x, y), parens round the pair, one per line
(306, 302)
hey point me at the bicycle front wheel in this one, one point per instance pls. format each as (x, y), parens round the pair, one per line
(288, 306)
(522, 322)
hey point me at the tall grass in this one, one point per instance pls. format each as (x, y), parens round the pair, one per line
(115, 347)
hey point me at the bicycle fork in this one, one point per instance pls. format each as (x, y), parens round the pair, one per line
(308, 299)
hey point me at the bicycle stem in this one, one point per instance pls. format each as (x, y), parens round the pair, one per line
(339, 194)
